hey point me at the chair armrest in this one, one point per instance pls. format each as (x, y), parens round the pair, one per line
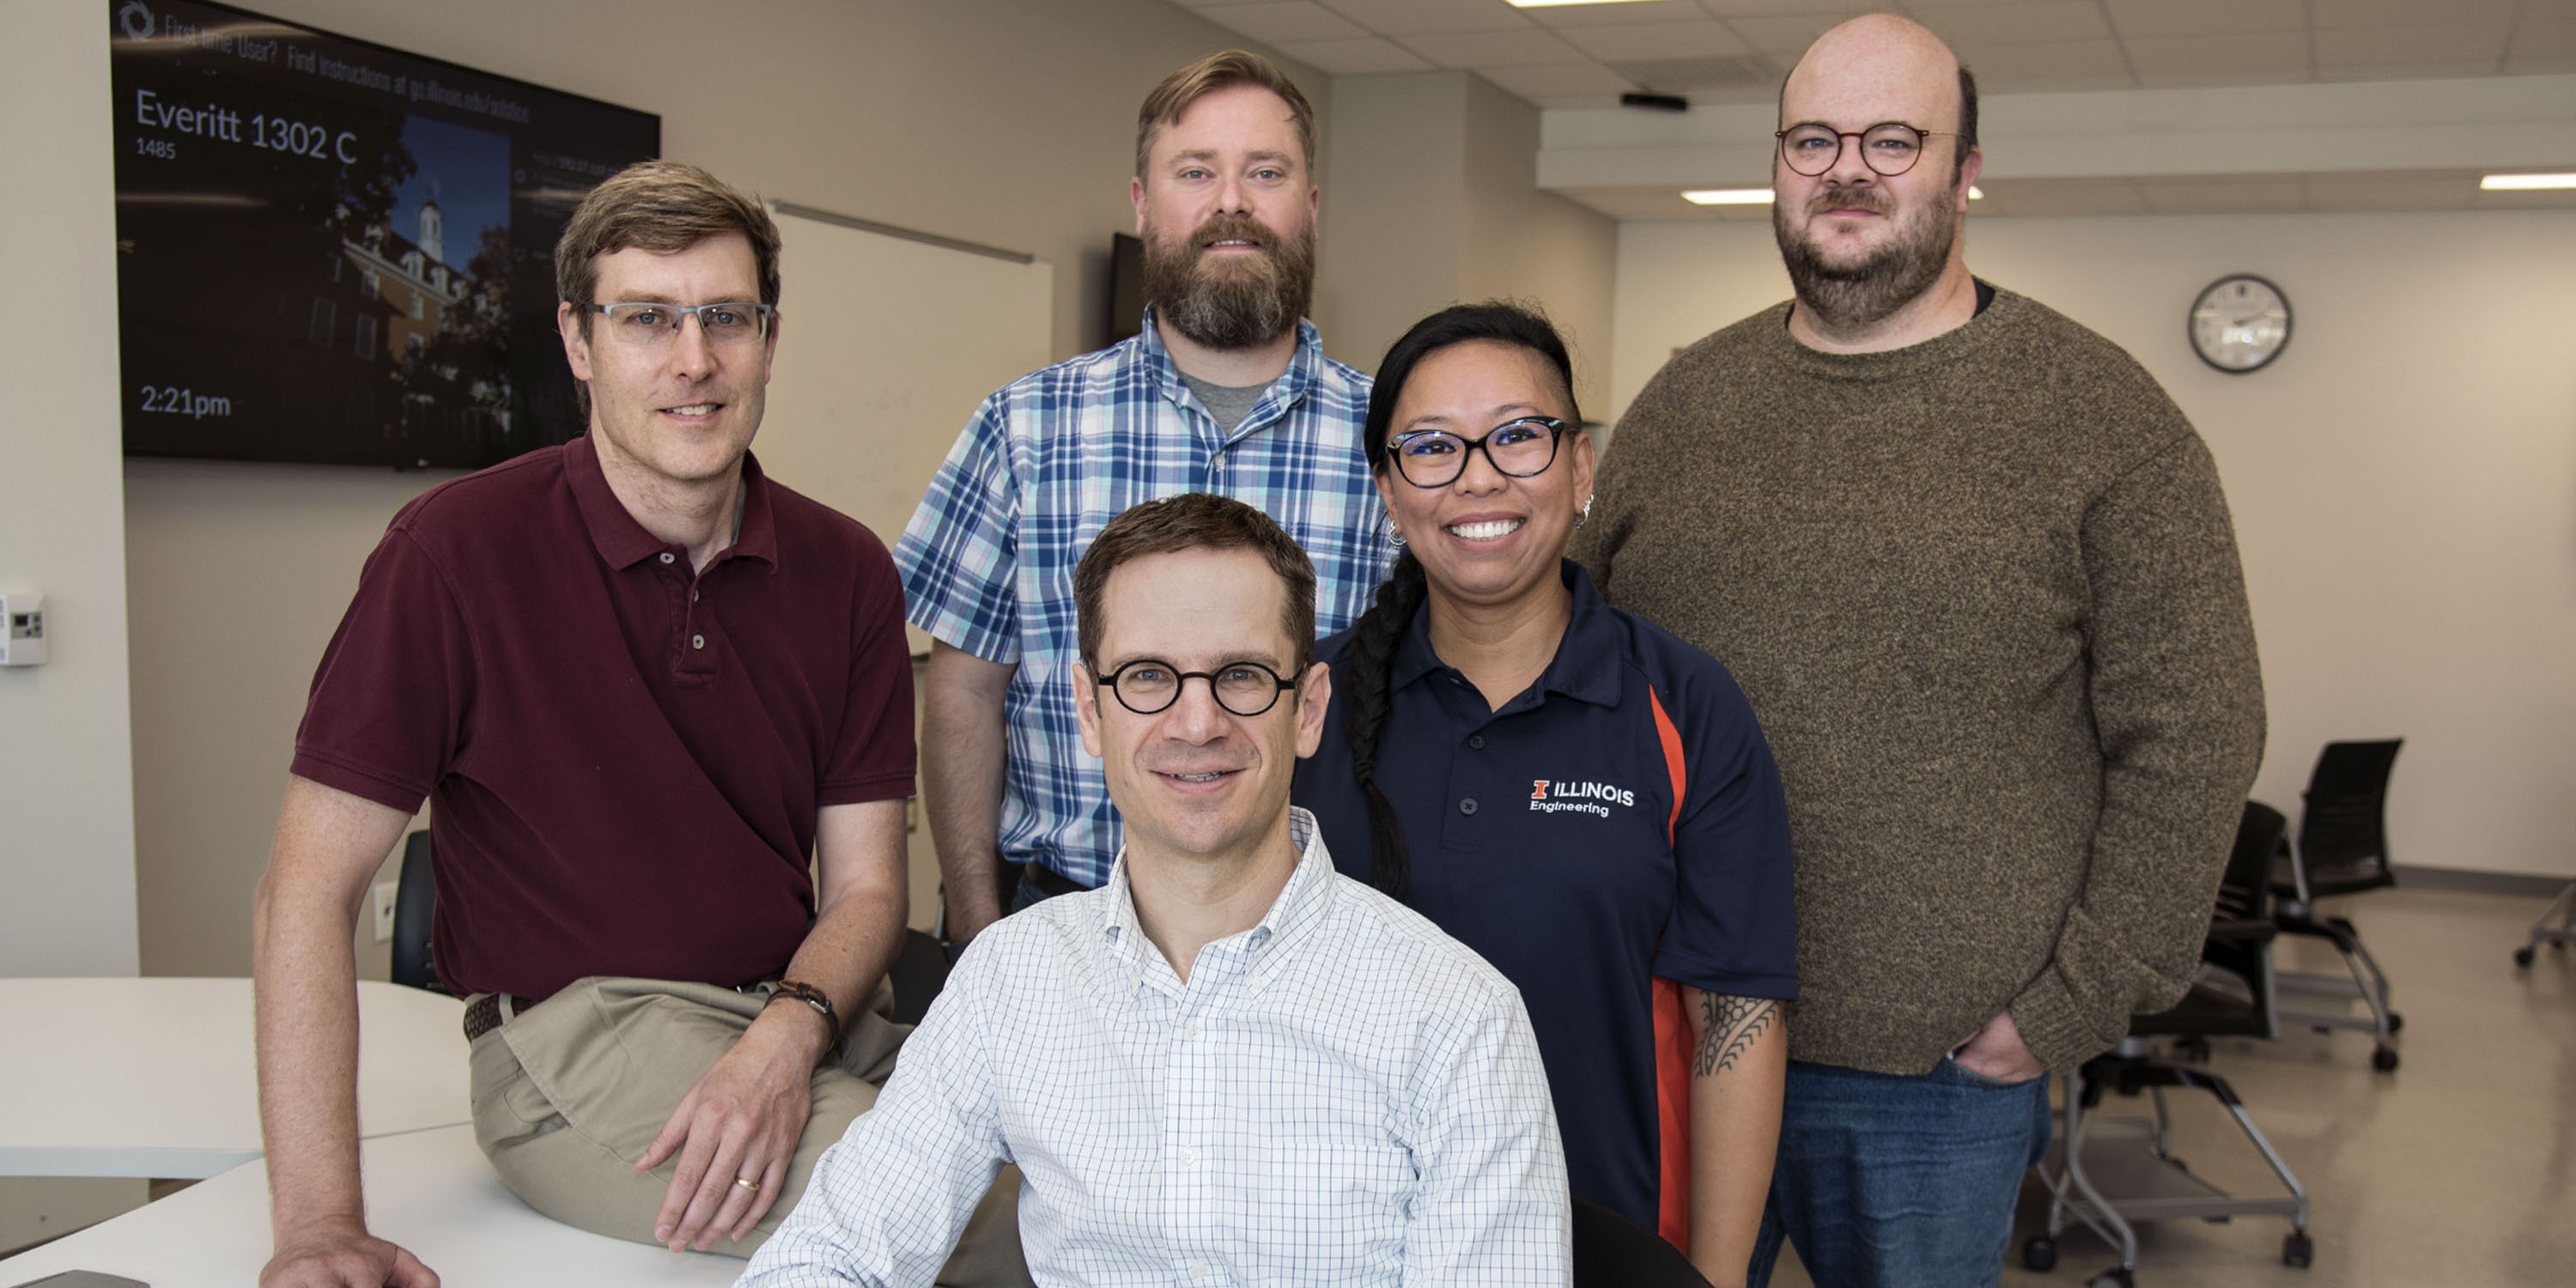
(2243, 932)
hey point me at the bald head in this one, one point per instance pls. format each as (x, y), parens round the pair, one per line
(1880, 67)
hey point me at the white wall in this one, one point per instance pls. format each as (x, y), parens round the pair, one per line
(1431, 197)
(2403, 478)
(66, 785)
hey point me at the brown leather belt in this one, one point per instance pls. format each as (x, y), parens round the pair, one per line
(483, 1014)
(1050, 882)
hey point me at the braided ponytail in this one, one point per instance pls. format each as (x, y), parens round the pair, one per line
(1369, 664)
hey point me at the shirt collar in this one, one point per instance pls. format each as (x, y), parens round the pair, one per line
(1300, 904)
(1591, 634)
(624, 543)
(1291, 386)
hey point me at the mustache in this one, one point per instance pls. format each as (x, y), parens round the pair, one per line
(1854, 198)
(1235, 227)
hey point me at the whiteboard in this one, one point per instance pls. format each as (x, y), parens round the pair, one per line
(886, 345)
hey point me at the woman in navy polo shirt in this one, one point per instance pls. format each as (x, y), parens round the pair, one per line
(1571, 791)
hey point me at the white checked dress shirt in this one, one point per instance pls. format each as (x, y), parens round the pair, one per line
(1340, 1096)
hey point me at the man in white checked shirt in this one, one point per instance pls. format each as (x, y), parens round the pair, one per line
(1230, 1064)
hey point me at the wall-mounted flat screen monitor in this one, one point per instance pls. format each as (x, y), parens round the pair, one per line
(332, 251)
(1126, 286)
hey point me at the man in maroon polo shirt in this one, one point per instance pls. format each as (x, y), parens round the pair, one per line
(643, 684)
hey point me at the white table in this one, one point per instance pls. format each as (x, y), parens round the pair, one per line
(429, 1191)
(155, 1077)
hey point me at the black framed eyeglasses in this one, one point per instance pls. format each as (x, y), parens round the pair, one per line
(1148, 686)
(648, 324)
(1889, 148)
(1436, 457)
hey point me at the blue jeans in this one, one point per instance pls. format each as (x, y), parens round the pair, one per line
(1900, 1182)
(1025, 896)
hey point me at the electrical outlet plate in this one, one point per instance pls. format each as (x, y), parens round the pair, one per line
(385, 896)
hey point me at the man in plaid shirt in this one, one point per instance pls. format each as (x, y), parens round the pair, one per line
(1226, 390)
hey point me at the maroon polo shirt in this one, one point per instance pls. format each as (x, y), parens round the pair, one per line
(626, 758)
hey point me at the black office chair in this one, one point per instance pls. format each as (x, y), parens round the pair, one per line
(2342, 849)
(1611, 1251)
(920, 970)
(2114, 1174)
(415, 897)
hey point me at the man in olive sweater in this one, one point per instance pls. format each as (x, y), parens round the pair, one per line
(1974, 570)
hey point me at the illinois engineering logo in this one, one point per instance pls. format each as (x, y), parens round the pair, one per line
(1548, 796)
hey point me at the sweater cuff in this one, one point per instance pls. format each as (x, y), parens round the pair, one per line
(2052, 1023)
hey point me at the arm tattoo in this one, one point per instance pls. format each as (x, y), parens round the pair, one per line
(1734, 1024)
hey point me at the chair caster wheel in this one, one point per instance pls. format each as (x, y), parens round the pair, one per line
(2119, 1278)
(2039, 1254)
(2522, 956)
(2296, 1250)
(2384, 1059)
(2396, 1022)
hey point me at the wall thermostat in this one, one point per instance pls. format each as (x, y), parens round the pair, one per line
(22, 628)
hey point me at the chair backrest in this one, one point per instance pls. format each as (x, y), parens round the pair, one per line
(2343, 830)
(2244, 889)
(2238, 945)
(415, 898)
(920, 969)
(1611, 1251)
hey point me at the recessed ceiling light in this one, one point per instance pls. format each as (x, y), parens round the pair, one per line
(2526, 182)
(1976, 193)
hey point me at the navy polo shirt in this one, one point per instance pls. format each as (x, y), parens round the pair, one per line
(1613, 831)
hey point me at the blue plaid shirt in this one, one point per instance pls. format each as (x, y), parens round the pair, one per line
(1046, 463)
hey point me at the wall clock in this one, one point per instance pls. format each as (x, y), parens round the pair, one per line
(2240, 323)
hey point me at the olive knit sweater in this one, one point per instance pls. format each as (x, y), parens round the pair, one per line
(1984, 596)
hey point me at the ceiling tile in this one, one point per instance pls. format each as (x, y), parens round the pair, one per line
(2274, 58)
(2009, 68)
(1532, 48)
(1354, 57)
(1611, 15)
(1701, 39)
(2547, 11)
(1280, 23)
(2173, 19)
(2342, 193)
(2015, 24)
(2539, 66)
(2405, 71)
(2552, 39)
(2455, 42)
(2223, 196)
(1587, 79)
(1786, 37)
(1430, 17)
(2407, 13)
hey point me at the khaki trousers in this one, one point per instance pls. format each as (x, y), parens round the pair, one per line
(567, 1096)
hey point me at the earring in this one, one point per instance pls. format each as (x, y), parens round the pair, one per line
(1585, 515)
(1395, 536)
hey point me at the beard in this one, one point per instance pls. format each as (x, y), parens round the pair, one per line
(1857, 295)
(1236, 301)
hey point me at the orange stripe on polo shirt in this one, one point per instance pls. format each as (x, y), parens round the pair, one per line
(1672, 1037)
